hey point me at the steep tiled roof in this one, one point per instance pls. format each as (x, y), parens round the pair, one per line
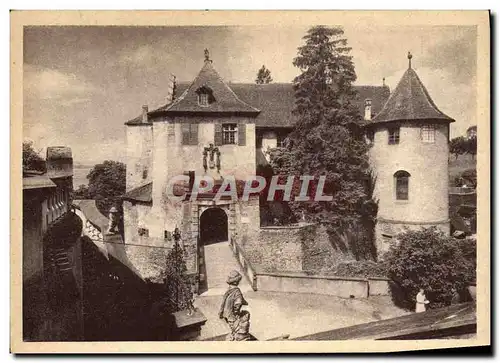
(137, 121)
(410, 101)
(225, 100)
(276, 101)
(140, 194)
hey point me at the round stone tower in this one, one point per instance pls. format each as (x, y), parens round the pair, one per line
(409, 156)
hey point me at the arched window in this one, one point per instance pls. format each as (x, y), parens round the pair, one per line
(402, 180)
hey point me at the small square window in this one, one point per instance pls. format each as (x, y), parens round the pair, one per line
(393, 136)
(229, 134)
(428, 133)
(143, 232)
(167, 235)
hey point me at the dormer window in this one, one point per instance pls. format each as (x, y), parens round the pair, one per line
(205, 96)
(203, 99)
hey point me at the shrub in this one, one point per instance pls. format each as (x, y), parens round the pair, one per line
(467, 177)
(430, 260)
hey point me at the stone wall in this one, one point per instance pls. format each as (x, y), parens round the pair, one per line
(303, 247)
(281, 248)
(134, 217)
(322, 252)
(323, 285)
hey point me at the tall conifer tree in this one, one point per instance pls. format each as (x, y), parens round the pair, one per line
(327, 139)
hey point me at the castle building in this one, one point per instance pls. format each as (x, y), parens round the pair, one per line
(223, 129)
(52, 281)
(409, 156)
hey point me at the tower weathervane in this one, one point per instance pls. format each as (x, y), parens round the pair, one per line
(409, 59)
(207, 55)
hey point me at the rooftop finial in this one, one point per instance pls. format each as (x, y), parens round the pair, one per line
(207, 56)
(383, 81)
(409, 59)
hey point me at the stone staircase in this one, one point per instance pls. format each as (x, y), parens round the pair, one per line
(220, 261)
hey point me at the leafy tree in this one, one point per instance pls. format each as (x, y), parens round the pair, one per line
(82, 192)
(471, 147)
(458, 146)
(263, 76)
(467, 177)
(177, 283)
(107, 184)
(462, 145)
(327, 139)
(31, 158)
(430, 260)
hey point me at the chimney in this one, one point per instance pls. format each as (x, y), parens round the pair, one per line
(171, 88)
(59, 162)
(368, 109)
(144, 113)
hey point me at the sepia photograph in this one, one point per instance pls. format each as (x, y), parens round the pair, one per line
(212, 178)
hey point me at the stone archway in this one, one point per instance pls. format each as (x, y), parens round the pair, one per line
(214, 226)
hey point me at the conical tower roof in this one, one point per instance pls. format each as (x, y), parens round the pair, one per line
(223, 99)
(410, 101)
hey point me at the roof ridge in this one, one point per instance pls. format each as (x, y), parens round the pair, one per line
(412, 111)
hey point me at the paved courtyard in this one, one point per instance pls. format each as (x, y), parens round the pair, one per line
(274, 313)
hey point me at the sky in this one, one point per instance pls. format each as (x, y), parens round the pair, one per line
(81, 84)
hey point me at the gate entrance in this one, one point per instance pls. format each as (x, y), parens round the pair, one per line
(215, 255)
(213, 226)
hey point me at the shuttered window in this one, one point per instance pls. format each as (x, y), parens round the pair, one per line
(229, 134)
(189, 134)
(242, 135)
(218, 134)
(171, 132)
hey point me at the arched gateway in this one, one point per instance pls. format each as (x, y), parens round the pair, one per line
(213, 226)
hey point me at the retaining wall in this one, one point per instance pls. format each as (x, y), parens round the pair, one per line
(346, 287)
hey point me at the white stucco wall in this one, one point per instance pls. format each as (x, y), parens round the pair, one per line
(171, 158)
(139, 155)
(427, 164)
